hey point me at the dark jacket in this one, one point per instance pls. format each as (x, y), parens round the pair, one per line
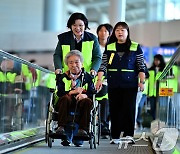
(87, 79)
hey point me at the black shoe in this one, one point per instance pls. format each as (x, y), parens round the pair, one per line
(78, 145)
(65, 143)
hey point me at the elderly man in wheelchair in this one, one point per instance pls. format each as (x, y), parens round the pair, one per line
(75, 91)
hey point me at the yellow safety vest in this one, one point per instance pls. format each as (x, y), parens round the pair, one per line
(87, 47)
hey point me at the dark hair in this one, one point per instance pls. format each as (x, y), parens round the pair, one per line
(162, 62)
(108, 27)
(76, 16)
(113, 36)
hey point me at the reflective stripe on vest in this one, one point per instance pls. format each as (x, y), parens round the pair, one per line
(111, 58)
(101, 98)
(125, 70)
(65, 50)
(86, 50)
(67, 84)
(112, 70)
(151, 82)
(87, 54)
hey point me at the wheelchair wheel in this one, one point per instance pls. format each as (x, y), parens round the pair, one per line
(95, 127)
(91, 142)
(47, 125)
(49, 142)
(99, 123)
(48, 139)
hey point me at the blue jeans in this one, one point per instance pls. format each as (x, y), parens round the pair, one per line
(141, 105)
(70, 132)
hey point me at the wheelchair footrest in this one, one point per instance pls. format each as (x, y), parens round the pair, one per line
(84, 138)
(57, 136)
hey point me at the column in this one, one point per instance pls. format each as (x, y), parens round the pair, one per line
(117, 10)
(54, 15)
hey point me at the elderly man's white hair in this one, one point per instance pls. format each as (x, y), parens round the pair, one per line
(73, 53)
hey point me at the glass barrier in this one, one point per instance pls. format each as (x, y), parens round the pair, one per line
(24, 93)
(168, 92)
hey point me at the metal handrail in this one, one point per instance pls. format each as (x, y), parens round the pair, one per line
(171, 62)
(6, 55)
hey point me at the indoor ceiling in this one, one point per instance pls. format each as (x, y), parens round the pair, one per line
(135, 9)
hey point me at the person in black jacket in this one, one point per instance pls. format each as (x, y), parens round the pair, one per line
(75, 90)
(78, 38)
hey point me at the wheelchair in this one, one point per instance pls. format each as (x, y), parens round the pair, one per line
(52, 123)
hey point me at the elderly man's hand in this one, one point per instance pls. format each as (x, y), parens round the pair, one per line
(78, 90)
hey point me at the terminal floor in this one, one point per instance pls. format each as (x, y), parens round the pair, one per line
(141, 147)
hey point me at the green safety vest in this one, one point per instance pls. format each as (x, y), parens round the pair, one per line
(152, 82)
(171, 82)
(87, 47)
(10, 77)
(28, 75)
(51, 81)
(2, 77)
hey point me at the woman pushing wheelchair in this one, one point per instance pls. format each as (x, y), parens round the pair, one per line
(75, 91)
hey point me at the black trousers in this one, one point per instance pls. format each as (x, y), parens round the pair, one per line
(122, 103)
(104, 105)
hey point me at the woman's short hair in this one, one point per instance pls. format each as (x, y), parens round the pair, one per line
(73, 53)
(76, 16)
